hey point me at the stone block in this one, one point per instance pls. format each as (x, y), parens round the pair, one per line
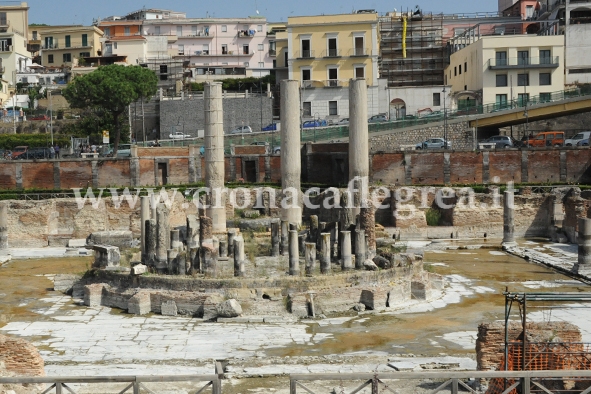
(93, 295)
(369, 265)
(106, 256)
(168, 308)
(139, 304)
(139, 269)
(121, 239)
(229, 308)
(77, 243)
(418, 290)
(210, 306)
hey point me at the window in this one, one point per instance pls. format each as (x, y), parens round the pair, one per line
(245, 49)
(126, 31)
(359, 46)
(522, 79)
(529, 11)
(115, 45)
(35, 35)
(501, 80)
(460, 69)
(3, 20)
(307, 108)
(306, 74)
(437, 99)
(360, 72)
(5, 44)
(181, 49)
(465, 66)
(333, 73)
(285, 58)
(49, 58)
(545, 57)
(224, 49)
(455, 71)
(157, 30)
(206, 49)
(332, 47)
(67, 58)
(333, 109)
(194, 30)
(68, 42)
(261, 47)
(306, 53)
(458, 31)
(259, 27)
(272, 48)
(522, 58)
(261, 64)
(84, 54)
(163, 72)
(501, 101)
(545, 79)
(545, 97)
(501, 58)
(84, 40)
(224, 28)
(522, 98)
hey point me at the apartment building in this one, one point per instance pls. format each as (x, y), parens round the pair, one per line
(506, 69)
(324, 52)
(14, 56)
(578, 44)
(60, 45)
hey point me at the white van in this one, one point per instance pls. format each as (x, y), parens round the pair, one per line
(577, 138)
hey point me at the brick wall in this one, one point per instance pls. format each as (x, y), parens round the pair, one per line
(114, 173)
(426, 169)
(388, 168)
(465, 168)
(250, 150)
(20, 358)
(75, 174)
(39, 175)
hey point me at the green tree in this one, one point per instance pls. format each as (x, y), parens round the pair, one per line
(111, 89)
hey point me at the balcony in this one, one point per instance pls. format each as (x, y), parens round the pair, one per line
(333, 83)
(6, 48)
(198, 34)
(4, 25)
(330, 53)
(359, 52)
(517, 63)
(72, 45)
(246, 33)
(272, 52)
(307, 54)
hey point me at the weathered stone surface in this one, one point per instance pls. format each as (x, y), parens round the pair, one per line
(232, 233)
(192, 231)
(106, 256)
(139, 269)
(151, 242)
(382, 262)
(139, 304)
(121, 239)
(93, 294)
(162, 236)
(369, 265)
(206, 228)
(275, 238)
(168, 308)
(210, 306)
(367, 220)
(310, 258)
(175, 240)
(359, 307)
(229, 308)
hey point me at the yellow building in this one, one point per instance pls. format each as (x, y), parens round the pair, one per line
(14, 56)
(506, 69)
(61, 44)
(324, 52)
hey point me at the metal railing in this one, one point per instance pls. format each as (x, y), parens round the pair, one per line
(331, 53)
(359, 52)
(306, 54)
(518, 62)
(131, 384)
(455, 382)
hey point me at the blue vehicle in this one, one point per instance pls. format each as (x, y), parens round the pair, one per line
(270, 127)
(315, 123)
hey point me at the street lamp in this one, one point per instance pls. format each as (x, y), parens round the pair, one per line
(13, 95)
(444, 118)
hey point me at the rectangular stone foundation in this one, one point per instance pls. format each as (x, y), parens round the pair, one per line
(93, 295)
(139, 304)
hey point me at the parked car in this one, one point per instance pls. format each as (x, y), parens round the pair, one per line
(584, 142)
(499, 141)
(343, 121)
(124, 150)
(270, 127)
(380, 118)
(315, 123)
(241, 130)
(433, 143)
(584, 135)
(19, 150)
(434, 114)
(277, 149)
(178, 136)
(547, 138)
(39, 117)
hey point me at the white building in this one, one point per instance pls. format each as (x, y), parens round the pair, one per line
(578, 41)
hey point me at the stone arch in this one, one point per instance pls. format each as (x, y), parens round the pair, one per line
(397, 109)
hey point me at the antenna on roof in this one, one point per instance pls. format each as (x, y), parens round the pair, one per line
(256, 7)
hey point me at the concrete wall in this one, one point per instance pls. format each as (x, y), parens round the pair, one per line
(188, 115)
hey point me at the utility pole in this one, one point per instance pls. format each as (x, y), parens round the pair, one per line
(143, 122)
